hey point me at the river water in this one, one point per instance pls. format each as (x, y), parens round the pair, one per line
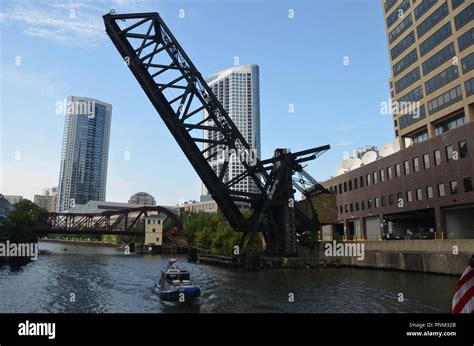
(105, 280)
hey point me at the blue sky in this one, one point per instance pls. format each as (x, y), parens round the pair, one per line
(301, 63)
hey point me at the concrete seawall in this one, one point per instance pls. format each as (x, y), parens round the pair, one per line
(426, 256)
(430, 256)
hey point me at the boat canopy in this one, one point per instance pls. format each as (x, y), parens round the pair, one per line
(180, 275)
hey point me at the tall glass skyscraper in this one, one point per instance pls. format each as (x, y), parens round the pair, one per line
(237, 89)
(85, 151)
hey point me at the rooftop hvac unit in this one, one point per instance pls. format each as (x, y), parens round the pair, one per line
(386, 150)
(340, 170)
(369, 156)
(347, 163)
(357, 163)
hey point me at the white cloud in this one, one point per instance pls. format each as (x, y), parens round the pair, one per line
(56, 24)
(77, 23)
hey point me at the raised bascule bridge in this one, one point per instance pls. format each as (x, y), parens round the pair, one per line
(187, 106)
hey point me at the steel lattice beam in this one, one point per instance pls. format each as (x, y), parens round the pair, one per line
(181, 96)
(120, 222)
(153, 52)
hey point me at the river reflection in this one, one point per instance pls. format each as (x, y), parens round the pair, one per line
(102, 279)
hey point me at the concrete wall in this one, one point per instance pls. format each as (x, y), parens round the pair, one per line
(430, 256)
(428, 245)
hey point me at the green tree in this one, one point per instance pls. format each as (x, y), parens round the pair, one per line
(203, 237)
(24, 222)
(212, 231)
(199, 227)
(224, 239)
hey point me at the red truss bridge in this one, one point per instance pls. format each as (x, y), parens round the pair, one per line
(129, 221)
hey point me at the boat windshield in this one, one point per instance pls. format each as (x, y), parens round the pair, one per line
(180, 277)
(183, 276)
(171, 277)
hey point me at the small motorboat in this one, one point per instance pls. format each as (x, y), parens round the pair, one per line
(175, 284)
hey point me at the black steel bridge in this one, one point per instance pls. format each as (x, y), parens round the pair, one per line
(181, 97)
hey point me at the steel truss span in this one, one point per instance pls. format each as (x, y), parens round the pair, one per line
(181, 96)
(119, 222)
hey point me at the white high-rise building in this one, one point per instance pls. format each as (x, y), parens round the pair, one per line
(84, 158)
(237, 89)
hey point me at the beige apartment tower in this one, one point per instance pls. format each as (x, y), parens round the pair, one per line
(425, 190)
(432, 65)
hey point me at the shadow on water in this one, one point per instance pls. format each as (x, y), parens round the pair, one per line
(16, 264)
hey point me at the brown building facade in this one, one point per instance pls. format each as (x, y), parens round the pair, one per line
(426, 190)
